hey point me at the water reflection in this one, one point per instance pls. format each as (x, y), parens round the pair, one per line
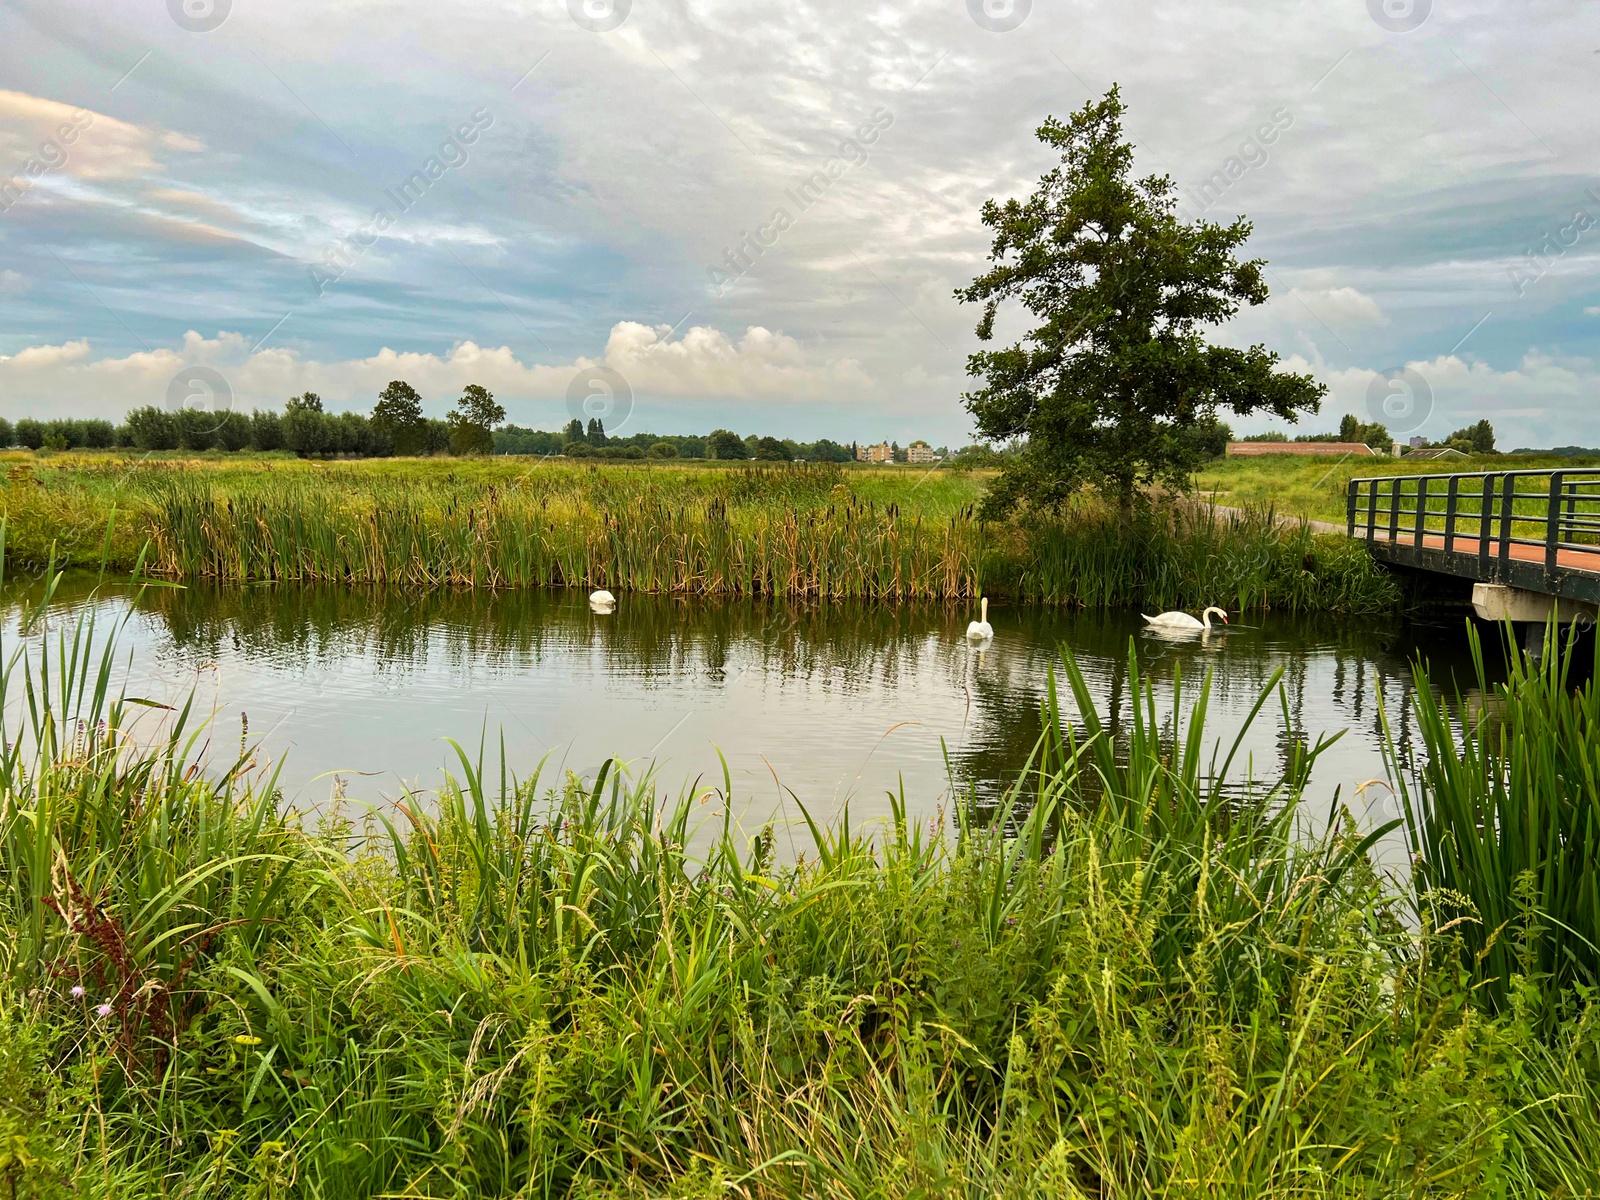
(833, 701)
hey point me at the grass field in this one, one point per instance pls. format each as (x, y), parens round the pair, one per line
(521, 987)
(1316, 488)
(797, 531)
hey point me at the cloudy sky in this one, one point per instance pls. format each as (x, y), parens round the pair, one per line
(328, 196)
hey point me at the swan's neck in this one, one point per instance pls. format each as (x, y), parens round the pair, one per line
(983, 610)
(1205, 619)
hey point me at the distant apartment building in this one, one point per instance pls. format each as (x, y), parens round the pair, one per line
(921, 452)
(882, 452)
(1418, 442)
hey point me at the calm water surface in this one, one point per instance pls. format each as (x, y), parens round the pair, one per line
(835, 702)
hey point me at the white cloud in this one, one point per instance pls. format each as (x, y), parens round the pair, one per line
(14, 283)
(68, 140)
(1341, 305)
(1535, 403)
(703, 364)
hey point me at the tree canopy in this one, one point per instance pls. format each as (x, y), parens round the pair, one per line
(1115, 385)
(398, 415)
(473, 419)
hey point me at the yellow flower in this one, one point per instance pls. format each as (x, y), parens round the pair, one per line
(245, 1039)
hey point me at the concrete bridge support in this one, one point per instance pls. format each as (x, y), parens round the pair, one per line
(1530, 612)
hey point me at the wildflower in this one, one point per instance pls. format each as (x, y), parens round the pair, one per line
(76, 992)
(104, 1010)
(245, 1039)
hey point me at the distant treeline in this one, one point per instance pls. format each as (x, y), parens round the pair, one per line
(396, 426)
(1563, 451)
(1474, 439)
(578, 440)
(309, 434)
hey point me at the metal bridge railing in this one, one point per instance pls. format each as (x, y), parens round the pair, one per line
(1484, 512)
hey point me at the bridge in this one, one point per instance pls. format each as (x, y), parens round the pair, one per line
(1528, 540)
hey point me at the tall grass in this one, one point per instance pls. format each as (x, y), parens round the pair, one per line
(1506, 814)
(793, 531)
(1137, 978)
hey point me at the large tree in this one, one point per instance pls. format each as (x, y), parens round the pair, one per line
(1115, 386)
(473, 419)
(398, 416)
(724, 443)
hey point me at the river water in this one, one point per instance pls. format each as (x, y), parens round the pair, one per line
(828, 703)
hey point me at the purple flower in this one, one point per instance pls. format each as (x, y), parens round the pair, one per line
(77, 992)
(104, 1010)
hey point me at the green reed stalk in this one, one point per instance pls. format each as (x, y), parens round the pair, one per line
(1505, 818)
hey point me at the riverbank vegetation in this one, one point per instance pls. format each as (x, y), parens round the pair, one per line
(1142, 976)
(811, 531)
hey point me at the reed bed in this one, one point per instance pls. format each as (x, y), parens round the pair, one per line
(1505, 814)
(788, 531)
(1117, 986)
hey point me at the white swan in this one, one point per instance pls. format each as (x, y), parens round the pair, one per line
(980, 630)
(602, 601)
(1182, 620)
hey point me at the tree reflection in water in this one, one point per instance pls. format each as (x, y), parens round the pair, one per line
(825, 680)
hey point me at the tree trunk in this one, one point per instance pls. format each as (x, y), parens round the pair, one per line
(1125, 502)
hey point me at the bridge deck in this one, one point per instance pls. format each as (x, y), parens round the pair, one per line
(1535, 530)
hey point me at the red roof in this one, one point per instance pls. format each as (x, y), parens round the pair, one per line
(1247, 449)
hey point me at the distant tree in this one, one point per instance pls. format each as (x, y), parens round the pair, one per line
(266, 430)
(435, 436)
(662, 450)
(473, 419)
(197, 428)
(233, 431)
(307, 430)
(8, 435)
(724, 443)
(30, 434)
(514, 439)
(1377, 436)
(1106, 387)
(1211, 437)
(63, 435)
(398, 414)
(574, 431)
(352, 434)
(596, 435)
(1349, 428)
(306, 402)
(770, 449)
(99, 435)
(151, 428)
(979, 454)
(824, 450)
(1272, 435)
(1474, 439)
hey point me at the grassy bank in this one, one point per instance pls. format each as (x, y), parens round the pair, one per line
(816, 531)
(1316, 488)
(526, 987)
